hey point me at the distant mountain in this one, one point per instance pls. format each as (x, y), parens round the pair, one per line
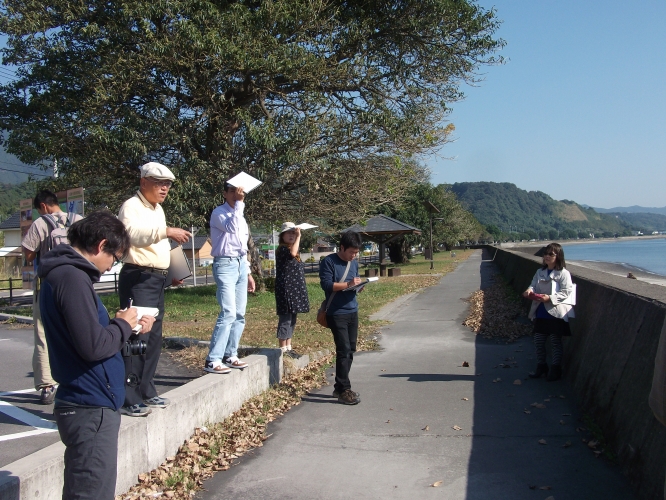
(633, 209)
(642, 221)
(534, 214)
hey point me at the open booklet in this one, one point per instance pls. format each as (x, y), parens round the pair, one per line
(360, 286)
(144, 311)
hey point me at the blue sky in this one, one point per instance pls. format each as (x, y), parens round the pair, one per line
(579, 109)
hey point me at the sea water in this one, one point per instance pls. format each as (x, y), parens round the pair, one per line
(648, 255)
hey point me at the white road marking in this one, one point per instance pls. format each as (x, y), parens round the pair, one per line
(41, 426)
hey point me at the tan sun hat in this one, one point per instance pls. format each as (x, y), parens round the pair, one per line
(287, 226)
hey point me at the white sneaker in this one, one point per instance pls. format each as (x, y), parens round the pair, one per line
(234, 362)
(216, 367)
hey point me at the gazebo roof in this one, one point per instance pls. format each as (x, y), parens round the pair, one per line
(383, 225)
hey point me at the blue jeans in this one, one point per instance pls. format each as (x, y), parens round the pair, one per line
(230, 274)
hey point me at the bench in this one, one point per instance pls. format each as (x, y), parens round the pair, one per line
(394, 271)
(371, 273)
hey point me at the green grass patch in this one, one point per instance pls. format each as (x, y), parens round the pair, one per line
(191, 312)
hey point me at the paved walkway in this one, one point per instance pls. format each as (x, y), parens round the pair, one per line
(404, 435)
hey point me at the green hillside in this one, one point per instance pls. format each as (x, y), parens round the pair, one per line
(519, 214)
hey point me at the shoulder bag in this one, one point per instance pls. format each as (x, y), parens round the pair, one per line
(321, 313)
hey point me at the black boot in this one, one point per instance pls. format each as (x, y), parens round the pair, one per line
(555, 373)
(541, 369)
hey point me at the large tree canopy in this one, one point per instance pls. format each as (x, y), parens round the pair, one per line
(451, 225)
(323, 100)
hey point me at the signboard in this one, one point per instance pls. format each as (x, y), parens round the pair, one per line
(69, 201)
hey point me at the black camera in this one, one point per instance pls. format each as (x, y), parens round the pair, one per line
(134, 347)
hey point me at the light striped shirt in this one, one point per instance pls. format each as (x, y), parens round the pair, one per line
(228, 231)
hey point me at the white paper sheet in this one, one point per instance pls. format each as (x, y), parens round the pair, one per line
(244, 180)
(304, 225)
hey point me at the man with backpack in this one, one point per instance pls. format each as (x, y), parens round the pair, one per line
(45, 232)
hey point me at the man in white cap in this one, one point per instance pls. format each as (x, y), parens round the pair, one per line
(142, 280)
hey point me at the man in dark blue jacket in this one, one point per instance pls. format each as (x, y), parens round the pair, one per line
(84, 351)
(337, 272)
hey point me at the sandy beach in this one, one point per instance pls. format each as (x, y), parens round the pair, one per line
(620, 270)
(617, 269)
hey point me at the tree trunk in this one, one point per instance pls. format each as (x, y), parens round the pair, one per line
(399, 251)
(255, 264)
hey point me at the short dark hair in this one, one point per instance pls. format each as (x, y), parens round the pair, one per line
(557, 249)
(351, 239)
(86, 234)
(46, 197)
(227, 186)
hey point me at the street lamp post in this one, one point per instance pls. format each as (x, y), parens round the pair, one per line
(432, 209)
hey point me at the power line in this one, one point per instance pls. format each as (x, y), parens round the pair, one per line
(18, 164)
(27, 173)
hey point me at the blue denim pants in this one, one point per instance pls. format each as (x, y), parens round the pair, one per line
(230, 274)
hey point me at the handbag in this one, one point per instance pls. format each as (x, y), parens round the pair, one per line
(321, 313)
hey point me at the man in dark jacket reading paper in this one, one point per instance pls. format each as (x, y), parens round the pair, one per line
(84, 350)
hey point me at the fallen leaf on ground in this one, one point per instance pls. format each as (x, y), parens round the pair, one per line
(547, 400)
(517, 382)
(562, 396)
(545, 488)
(436, 484)
(456, 428)
(567, 444)
(388, 421)
(592, 444)
(465, 399)
(550, 498)
(426, 428)
(542, 441)
(497, 380)
(538, 405)
(527, 411)
(465, 364)
(562, 422)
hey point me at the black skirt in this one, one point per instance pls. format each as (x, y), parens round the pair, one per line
(553, 326)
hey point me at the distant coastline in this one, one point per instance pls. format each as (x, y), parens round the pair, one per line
(614, 268)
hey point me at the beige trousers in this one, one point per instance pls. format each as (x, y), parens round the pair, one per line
(40, 356)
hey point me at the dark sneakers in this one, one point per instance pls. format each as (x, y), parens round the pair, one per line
(348, 397)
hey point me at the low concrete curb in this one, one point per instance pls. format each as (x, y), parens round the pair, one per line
(19, 319)
(144, 443)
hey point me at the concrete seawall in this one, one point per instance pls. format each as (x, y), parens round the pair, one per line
(609, 360)
(144, 443)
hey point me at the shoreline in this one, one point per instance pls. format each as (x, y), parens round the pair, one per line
(620, 269)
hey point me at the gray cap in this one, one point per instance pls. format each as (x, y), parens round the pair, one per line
(157, 171)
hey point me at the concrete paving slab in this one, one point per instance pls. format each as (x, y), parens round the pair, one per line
(426, 418)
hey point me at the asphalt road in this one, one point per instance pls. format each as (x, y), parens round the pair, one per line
(27, 426)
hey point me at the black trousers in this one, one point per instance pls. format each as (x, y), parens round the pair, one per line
(146, 289)
(90, 436)
(345, 334)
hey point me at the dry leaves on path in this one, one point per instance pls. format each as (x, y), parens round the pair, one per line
(492, 313)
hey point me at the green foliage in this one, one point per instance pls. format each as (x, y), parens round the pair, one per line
(325, 101)
(11, 194)
(450, 225)
(520, 214)
(645, 222)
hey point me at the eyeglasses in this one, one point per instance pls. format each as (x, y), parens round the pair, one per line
(550, 254)
(161, 182)
(116, 260)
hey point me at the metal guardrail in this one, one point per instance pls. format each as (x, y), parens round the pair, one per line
(14, 284)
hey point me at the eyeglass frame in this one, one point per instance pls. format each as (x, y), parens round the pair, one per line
(161, 182)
